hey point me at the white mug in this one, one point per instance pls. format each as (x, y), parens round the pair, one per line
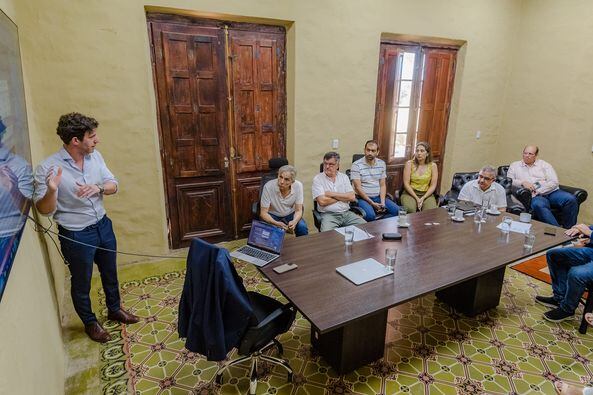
(525, 217)
(458, 214)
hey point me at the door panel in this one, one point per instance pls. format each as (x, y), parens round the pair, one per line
(191, 85)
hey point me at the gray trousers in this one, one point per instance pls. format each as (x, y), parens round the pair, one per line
(331, 221)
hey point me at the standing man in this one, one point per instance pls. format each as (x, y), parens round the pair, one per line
(333, 193)
(539, 177)
(571, 269)
(71, 185)
(484, 190)
(368, 175)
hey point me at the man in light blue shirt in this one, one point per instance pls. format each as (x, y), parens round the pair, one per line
(70, 186)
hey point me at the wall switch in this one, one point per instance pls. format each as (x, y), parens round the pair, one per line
(335, 143)
(478, 134)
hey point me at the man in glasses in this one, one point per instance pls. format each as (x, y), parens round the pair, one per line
(333, 192)
(539, 177)
(484, 190)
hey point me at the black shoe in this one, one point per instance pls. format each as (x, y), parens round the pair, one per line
(547, 301)
(557, 315)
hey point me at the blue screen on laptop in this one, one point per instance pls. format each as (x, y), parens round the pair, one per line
(266, 236)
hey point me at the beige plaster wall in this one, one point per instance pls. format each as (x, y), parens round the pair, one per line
(29, 324)
(550, 97)
(93, 57)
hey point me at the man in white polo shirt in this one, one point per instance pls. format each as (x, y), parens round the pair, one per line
(333, 193)
(484, 190)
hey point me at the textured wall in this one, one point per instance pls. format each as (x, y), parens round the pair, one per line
(93, 57)
(29, 324)
(550, 92)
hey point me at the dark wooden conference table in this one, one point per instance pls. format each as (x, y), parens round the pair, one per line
(463, 262)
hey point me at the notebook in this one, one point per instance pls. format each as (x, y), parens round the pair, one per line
(263, 245)
(364, 271)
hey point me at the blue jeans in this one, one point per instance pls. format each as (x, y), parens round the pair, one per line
(571, 270)
(567, 202)
(80, 260)
(299, 230)
(369, 211)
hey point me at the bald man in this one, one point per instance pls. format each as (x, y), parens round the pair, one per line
(539, 177)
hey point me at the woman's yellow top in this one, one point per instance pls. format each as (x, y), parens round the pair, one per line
(420, 182)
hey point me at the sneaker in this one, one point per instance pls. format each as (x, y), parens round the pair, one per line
(557, 315)
(547, 301)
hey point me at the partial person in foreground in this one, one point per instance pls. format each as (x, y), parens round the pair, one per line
(567, 389)
(70, 186)
(421, 175)
(571, 269)
(333, 193)
(368, 175)
(282, 202)
(539, 177)
(484, 190)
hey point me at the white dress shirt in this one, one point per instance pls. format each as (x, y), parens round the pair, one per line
(540, 171)
(472, 192)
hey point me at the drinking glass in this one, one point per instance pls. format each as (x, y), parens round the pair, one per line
(529, 239)
(390, 255)
(458, 214)
(403, 217)
(493, 209)
(506, 224)
(348, 236)
(478, 216)
(451, 207)
(483, 215)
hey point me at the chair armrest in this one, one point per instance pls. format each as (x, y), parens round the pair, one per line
(358, 211)
(255, 210)
(523, 195)
(579, 193)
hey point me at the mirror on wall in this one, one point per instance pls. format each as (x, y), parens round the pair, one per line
(16, 178)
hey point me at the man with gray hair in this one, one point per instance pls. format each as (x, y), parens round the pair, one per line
(333, 193)
(484, 190)
(282, 202)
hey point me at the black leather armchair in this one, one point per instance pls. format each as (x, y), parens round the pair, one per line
(274, 164)
(524, 195)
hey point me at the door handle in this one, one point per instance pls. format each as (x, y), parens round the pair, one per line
(236, 157)
(226, 162)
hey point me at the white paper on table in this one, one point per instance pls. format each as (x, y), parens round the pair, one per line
(516, 226)
(359, 234)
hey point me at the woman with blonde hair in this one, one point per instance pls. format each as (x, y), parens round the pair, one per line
(420, 180)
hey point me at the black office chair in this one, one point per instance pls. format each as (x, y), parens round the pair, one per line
(523, 195)
(274, 164)
(215, 316)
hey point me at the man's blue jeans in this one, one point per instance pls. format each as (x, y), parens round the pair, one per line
(369, 211)
(80, 259)
(299, 230)
(571, 270)
(567, 203)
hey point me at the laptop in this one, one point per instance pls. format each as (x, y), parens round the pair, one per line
(363, 271)
(466, 206)
(263, 245)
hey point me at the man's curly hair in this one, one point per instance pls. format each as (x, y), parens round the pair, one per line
(75, 125)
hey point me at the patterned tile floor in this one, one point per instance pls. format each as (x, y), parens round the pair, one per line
(429, 348)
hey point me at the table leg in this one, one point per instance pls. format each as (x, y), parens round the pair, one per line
(353, 345)
(474, 296)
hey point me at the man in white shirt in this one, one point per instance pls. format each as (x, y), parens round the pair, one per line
(484, 190)
(333, 193)
(539, 177)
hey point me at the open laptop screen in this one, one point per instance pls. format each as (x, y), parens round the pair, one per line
(266, 236)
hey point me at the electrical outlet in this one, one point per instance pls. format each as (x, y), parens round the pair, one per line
(478, 134)
(335, 143)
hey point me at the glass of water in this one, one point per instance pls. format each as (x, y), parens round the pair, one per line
(506, 224)
(390, 256)
(451, 207)
(402, 217)
(348, 235)
(529, 239)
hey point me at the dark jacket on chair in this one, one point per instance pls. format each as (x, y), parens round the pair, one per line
(214, 309)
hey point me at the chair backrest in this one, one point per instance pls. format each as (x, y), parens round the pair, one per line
(503, 170)
(274, 164)
(459, 180)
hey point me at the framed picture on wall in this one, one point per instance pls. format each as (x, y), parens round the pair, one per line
(16, 178)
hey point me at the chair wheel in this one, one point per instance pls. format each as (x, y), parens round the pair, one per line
(218, 379)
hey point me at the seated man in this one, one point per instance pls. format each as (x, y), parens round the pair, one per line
(484, 190)
(333, 193)
(571, 269)
(368, 175)
(541, 179)
(282, 202)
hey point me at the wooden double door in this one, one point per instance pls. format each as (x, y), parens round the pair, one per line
(221, 104)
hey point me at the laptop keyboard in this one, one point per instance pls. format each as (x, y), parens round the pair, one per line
(254, 252)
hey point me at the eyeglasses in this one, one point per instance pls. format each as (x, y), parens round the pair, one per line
(485, 178)
(328, 164)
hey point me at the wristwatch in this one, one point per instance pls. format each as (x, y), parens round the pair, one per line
(101, 188)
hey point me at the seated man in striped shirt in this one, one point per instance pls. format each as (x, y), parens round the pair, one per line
(368, 176)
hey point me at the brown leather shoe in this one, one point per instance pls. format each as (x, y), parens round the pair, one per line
(123, 316)
(97, 333)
